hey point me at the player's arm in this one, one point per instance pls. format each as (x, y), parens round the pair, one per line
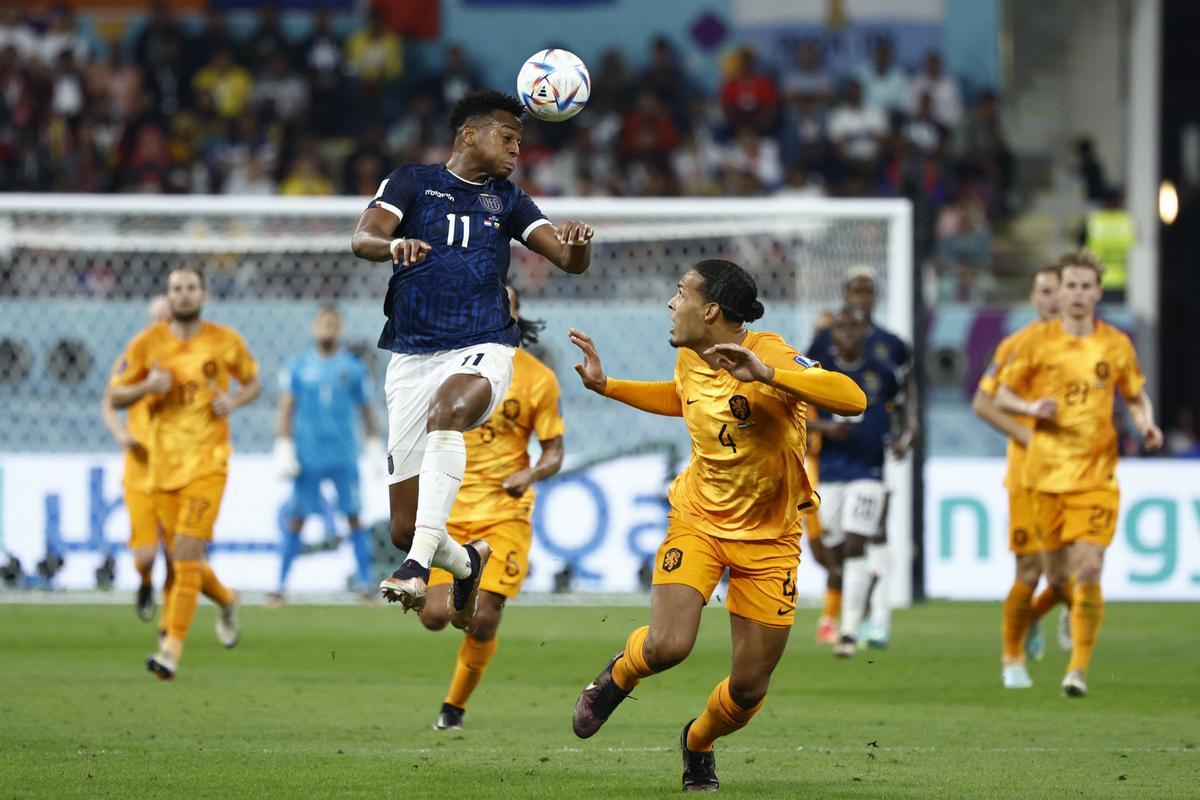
(1142, 411)
(156, 382)
(658, 397)
(373, 240)
(549, 463)
(568, 247)
(225, 404)
(829, 390)
(988, 410)
(114, 423)
(1009, 401)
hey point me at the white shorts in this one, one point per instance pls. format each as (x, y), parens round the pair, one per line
(851, 507)
(411, 382)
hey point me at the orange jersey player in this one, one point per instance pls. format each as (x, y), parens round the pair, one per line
(738, 504)
(1020, 634)
(184, 369)
(1065, 375)
(133, 435)
(495, 504)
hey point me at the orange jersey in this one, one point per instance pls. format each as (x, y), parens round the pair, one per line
(500, 446)
(186, 440)
(990, 382)
(746, 477)
(137, 470)
(1077, 450)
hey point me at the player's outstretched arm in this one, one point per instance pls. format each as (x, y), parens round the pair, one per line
(373, 240)
(986, 408)
(1142, 411)
(568, 247)
(829, 390)
(657, 397)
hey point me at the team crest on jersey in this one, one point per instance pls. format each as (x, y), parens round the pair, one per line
(870, 383)
(1102, 370)
(491, 202)
(511, 409)
(881, 351)
(739, 406)
(672, 559)
(210, 369)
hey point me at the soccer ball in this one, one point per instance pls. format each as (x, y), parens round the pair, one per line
(554, 85)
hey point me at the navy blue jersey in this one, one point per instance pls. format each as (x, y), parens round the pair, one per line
(860, 455)
(455, 297)
(882, 345)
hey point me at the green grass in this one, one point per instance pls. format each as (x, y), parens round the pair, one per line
(337, 702)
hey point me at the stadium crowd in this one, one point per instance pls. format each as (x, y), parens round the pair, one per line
(185, 105)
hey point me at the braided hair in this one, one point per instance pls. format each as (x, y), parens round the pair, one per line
(732, 288)
(530, 328)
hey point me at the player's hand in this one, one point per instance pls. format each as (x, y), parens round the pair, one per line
(741, 363)
(376, 455)
(574, 232)
(1046, 408)
(408, 252)
(518, 483)
(284, 455)
(136, 448)
(222, 404)
(590, 371)
(1154, 437)
(157, 381)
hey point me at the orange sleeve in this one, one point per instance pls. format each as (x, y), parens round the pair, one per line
(237, 357)
(133, 364)
(990, 381)
(657, 397)
(1131, 380)
(1017, 373)
(829, 390)
(547, 409)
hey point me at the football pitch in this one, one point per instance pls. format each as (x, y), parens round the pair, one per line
(338, 701)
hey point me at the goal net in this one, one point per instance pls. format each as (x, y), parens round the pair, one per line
(77, 272)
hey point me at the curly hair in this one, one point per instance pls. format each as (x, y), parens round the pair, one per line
(482, 104)
(732, 288)
(530, 328)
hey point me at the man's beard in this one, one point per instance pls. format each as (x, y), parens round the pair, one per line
(185, 316)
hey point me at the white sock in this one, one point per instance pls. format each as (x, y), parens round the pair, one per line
(881, 606)
(856, 580)
(442, 469)
(452, 557)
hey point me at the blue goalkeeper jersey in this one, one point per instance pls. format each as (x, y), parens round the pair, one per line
(456, 296)
(860, 455)
(327, 393)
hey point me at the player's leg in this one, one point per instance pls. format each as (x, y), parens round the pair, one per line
(856, 584)
(349, 496)
(306, 496)
(478, 648)
(143, 544)
(879, 628)
(1091, 519)
(831, 611)
(1018, 637)
(762, 607)
(689, 565)
(1048, 515)
(832, 556)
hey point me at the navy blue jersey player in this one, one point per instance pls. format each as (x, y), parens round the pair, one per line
(853, 498)
(446, 229)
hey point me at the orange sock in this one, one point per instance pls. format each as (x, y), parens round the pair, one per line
(1016, 621)
(212, 587)
(1086, 615)
(833, 604)
(145, 571)
(185, 594)
(721, 717)
(168, 584)
(632, 667)
(473, 658)
(1050, 597)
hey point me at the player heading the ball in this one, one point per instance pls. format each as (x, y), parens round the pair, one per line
(446, 229)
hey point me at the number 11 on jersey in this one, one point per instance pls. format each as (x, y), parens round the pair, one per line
(466, 229)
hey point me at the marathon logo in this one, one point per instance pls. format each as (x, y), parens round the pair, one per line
(436, 193)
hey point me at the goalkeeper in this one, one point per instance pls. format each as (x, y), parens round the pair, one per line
(320, 390)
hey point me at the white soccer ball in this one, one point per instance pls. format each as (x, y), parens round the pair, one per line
(554, 85)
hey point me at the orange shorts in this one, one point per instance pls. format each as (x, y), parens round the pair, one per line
(143, 521)
(762, 572)
(1076, 517)
(509, 565)
(1023, 538)
(191, 510)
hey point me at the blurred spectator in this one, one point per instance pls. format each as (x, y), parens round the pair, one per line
(804, 136)
(17, 33)
(749, 96)
(799, 183)
(697, 160)
(963, 246)
(267, 42)
(1109, 233)
(306, 178)
(984, 159)
(208, 41)
(61, 36)
(367, 165)
(1091, 171)
(806, 76)
(611, 84)
(149, 43)
(229, 84)
(855, 130)
(1182, 438)
(114, 85)
(411, 137)
(456, 79)
(280, 91)
(666, 78)
(68, 99)
(321, 56)
(648, 135)
(752, 164)
(923, 132)
(253, 176)
(942, 89)
(373, 53)
(243, 143)
(166, 77)
(148, 167)
(884, 83)
(583, 163)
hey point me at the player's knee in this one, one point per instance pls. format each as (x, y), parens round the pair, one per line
(450, 413)
(665, 651)
(434, 619)
(1088, 572)
(402, 533)
(1029, 570)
